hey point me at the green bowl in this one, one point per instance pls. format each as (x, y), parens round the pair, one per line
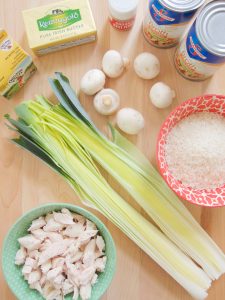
(12, 273)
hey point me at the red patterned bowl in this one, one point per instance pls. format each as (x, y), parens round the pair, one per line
(207, 103)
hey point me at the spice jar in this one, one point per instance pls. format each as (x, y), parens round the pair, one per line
(122, 13)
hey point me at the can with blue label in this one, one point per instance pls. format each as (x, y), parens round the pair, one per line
(202, 51)
(166, 20)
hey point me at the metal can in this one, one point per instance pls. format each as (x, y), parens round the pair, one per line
(202, 51)
(167, 19)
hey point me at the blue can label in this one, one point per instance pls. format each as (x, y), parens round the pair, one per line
(163, 27)
(197, 51)
(193, 60)
(164, 16)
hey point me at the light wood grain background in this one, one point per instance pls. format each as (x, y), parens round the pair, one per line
(26, 183)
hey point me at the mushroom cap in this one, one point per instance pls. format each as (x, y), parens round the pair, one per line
(161, 95)
(92, 81)
(146, 65)
(130, 120)
(113, 63)
(107, 101)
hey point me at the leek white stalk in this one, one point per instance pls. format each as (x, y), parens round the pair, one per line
(78, 168)
(185, 232)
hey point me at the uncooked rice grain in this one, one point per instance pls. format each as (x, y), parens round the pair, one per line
(195, 151)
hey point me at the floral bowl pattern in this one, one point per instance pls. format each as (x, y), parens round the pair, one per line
(204, 197)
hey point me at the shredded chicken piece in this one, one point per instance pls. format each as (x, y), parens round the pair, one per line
(100, 243)
(39, 234)
(34, 254)
(90, 225)
(20, 256)
(74, 230)
(63, 218)
(52, 225)
(29, 242)
(61, 255)
(45, 267)
(94, 279)
(31, 262)
(34, 276)
(36, 224)
(85, 291)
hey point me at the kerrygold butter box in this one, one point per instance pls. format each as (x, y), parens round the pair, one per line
(16, 66)
(59, 25)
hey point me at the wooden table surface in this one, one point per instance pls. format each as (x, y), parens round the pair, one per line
(26, 183)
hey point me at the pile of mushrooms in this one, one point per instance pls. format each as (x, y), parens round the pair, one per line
(62, 254)
(107, 101)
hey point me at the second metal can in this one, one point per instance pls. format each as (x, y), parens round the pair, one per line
(166, 20)
(202, 51)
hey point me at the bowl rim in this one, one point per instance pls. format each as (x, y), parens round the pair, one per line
(181, 195)
(80, 210)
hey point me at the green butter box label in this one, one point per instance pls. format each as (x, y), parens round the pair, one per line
(59, 19)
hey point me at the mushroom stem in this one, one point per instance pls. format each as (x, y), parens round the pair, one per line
(107, 100)
(126, 62)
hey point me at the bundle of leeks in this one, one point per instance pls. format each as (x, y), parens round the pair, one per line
(66, 138)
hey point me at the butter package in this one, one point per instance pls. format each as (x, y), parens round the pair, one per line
(59, 26)
(16, 66)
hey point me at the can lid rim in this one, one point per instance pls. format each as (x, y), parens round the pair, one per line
(201, 24)
(176, 6)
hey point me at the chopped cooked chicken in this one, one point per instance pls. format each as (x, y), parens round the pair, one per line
(86, 275)
(86, 236)
(75, 293)
(76, 257)
(67, 287)
(43, 280)
(46, 266)
(61, 255)
(94, 279)
(58, 262)
(34, 276)
(52, 225)
(36, 286)
(54, 236)
(100, 264)
(29, 242)
(85, 291)
(20, 256)
(53, 250)
(89, 253)
(90, 225)
(80, 219)
(63, 218)
(74, 230)
(39, 234)
(34, 254)
(31, 262)
(36, 224)
(100, 243)
(26, 269)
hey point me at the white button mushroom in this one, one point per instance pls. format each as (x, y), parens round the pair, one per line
(92, 81)
(130, 120)
(113, 64)
(106, 102)
(147, 65)
(161, 95)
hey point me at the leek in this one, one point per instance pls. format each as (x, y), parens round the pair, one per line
(66, 138)
(75, 164)
(142, 181)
